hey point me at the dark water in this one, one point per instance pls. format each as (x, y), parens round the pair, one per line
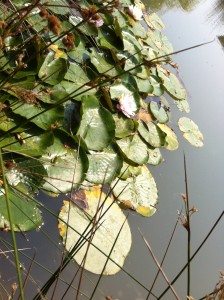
(202, 70)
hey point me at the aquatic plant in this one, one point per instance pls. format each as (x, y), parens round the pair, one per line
(82, 103)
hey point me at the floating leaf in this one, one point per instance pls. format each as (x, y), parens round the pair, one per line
(152, 134)
(25, 214)
(172, 84)
(182, 105)
(155, 156)
(97, 127)
(191, 132)
(159, 112)
(65, 172)
(103, 166)
(140, 191)
(29, 172)
(154, 21)
(158, 88)
(32, 143)
(124, 126)
(53, 69)
(171, 138)
(104, 237)
(45, 117)
(104, 63)
(133, 149)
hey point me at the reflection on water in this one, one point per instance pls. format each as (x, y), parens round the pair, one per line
(187, 5)
(215, 16)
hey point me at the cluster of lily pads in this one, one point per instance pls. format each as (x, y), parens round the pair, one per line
(82, 104)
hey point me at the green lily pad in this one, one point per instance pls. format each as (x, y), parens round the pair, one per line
(171, 138)
(172, 84)
(104, 63)
(104, 238)
(45, 117)
(103, 167)
(29, 172)
(139, 191)
(25, 213)
(191, 132)
(53, 69)
(124, 126)
(65, 172)
(182, 105)
(97, 127)
(158, 88)
(76, 74)
(152, 134)
(155, 156)
(159, 112)
(154, 21)
(133, 149)
(32, 143)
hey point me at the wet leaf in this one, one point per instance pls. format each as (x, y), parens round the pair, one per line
(45, 117)
(159, 112)
(32, 143)
(103, 166)
(154, 21)
(152, 134)
(171, 138)
(172, 84)
(140, 191)
(191, 132)
(53, 69)
(124, 126)
(65, 172)
(133, 149)
(103, 238)
(25, 214)
(155, 156)
(97, 127)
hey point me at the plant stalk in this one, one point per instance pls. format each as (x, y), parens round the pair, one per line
(8, 204)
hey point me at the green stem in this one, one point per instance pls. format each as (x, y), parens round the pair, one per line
(11, 228)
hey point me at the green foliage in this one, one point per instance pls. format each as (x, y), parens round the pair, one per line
(73, 85)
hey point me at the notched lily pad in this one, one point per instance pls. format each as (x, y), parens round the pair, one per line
(140, 191)
(191, 132)
(171, 138)
(104, 237)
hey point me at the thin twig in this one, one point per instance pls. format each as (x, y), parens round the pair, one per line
(195, 253)
(158, 265)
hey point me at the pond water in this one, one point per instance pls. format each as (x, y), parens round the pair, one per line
(202, 71)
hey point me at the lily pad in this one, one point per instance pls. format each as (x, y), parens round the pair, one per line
(159, 112)
(152, 134)
(32, 143)
(65, 172)
(104, 238)
(172, 84)
(103, 166)
(25, 213)
(53, 69)
(140, 191)
(191, 132)
(97, 127)
(124, 126)
(133, 149)
(171, 138)
(155, 156)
